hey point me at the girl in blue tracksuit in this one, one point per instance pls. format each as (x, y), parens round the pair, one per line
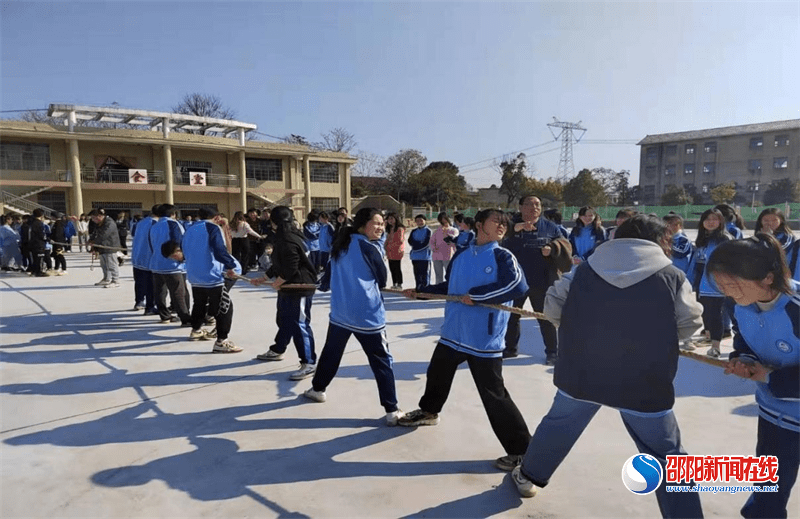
(484, 273)
(710, 233)
(355, 278)
(586, 235)
(466, 231)
(772, 221)
(325, 239)
(420, 239)
(311, 231)
(766, 350)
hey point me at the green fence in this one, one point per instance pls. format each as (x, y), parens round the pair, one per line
(688, 212)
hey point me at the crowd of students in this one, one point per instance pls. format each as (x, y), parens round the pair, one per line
(649, 271)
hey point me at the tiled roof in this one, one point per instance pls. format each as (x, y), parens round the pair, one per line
(744, 129)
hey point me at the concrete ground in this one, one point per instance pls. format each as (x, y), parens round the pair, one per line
(107, 413)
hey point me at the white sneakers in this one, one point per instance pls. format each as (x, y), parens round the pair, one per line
(393, 417)
(316, 396)
(305, 371)
(524, 485)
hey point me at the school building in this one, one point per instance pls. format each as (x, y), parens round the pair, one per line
(74, 168)
(752, 156)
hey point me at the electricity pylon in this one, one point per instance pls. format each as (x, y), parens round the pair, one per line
(566, 169)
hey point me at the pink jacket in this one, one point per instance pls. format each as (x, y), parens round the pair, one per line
(395, 244)
(441, 250)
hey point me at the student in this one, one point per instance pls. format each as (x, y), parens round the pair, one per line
(622, 215)
(326, 232)
(311, 232)
(483, 273)
(241, 232)
(682, 250)
(554, 215)
(766, 350)
(59, 236)
(143, 294)
(772, 221)
(631, 367)
(420, 254)
(291, 266)
(209, 268)
(466, 231)
(395, 248)
(734, 223)
(586, 235)
(169, 275)
(442, 245)
(9, 245)
(710, 233)
(356, 276)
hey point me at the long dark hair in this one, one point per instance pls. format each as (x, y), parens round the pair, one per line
(777, 212)
(342, 240)
(397, 223)
(753, 259)
(283, 218)
(645, 227)
(730, 215)
(582, 211)
(238, 217)
(719, 234)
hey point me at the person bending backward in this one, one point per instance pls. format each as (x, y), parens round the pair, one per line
(630, 366)
(210, 267)
(766, 346)
(529, 241)
(291, 266)
(710, 234)
(484, 273)
(355, 278)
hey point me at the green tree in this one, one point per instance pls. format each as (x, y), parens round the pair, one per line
(723, 193)
(440, 185)
(675, 195)
(615, 183)
(514, 177)
(783, 190)
(400, 167)
(584, 189)
(549, 191)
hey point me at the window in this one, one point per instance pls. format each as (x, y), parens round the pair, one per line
(754, 166)
(190, 208)
(116, 205)
(688, 169)
(780, 163)
(324, 203)
(689, 188)
(649, 194)
(709, 168)
(185, 167)
(781, 140)
(706, 188)
(710, 147)
(756, 143)
(27, 157)
(752, 185)
(650, 171)
(264, 169)
(672, 149)
(56, 200)
(669, 170)
(325, 172)
(689, 149)
(651, 156)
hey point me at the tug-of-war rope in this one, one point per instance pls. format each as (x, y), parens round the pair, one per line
(719, 363)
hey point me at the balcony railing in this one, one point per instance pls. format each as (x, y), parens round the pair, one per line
(116, 176)
(41, 176)
(212, 179)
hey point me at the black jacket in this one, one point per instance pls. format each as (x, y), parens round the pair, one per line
(106, 235)
(37, 239)
(290, 262)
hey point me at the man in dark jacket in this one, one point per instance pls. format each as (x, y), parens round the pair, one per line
(59, 236)
(106, 238)
(528, 239)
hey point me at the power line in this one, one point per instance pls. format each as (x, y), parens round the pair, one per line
(531, 155)
(505, 154)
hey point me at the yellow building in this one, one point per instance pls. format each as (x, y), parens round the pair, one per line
(74, 169)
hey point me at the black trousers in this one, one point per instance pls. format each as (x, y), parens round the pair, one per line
(58, 259)
(712, 316)
(240, 249)
(214, 301)
(504, 416)
(175, 286)
(536, 296)
(397, 273)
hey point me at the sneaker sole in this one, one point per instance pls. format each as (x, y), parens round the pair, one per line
(301, 377)
(226, 351)
(427, 421)
(268, 359)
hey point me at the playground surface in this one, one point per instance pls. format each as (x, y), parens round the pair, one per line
(107, 413)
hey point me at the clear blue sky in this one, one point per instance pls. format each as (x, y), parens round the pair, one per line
(461, 81)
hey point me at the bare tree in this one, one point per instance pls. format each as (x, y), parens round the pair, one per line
(295, 139)
(368, 165)
(203, 105)
(337, 139)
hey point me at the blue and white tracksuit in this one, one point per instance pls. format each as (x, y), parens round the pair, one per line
(355, 280)
(169, 275)
(771, 336)
(682, 249)
(464, 239)
(420, 255)
(140, 258)
(311, 231)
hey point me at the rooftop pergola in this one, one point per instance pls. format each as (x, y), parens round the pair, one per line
(164, 121)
